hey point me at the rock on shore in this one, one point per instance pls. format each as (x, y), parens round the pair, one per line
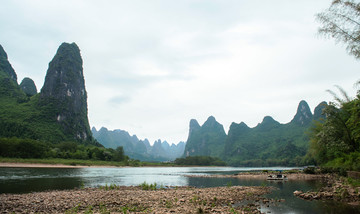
(336, 189)
(134, 200)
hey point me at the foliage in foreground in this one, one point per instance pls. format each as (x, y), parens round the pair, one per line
(200, 161)
(341, 21)
(335, 142)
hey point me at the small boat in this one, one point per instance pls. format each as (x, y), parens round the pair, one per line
(278, 177)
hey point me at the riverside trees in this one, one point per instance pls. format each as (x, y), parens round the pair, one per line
(335, 142)
(341, 21)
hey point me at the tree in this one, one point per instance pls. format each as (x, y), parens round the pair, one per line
(339, 134)
(341, 21)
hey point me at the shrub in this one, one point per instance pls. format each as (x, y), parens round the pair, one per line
(309, 170)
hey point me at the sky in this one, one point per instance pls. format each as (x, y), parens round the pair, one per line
(151, 66)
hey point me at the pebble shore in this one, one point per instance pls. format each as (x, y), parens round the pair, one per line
(136, 200)
(335, 189)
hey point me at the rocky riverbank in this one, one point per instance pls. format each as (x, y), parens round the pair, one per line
(137, 200)
(264, 175)
(336, 188)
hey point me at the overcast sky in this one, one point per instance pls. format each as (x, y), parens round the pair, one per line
(152, 65)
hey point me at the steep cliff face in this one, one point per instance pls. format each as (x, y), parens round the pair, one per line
(9, 87)
(5, 65)
(28, 86)
(58, 113)
(303, 115)
(64, 88)
(207, 140)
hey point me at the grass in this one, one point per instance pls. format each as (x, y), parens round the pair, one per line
(79, 162)
(353, 182)
(110, 187)
(70, 162)
(134, 209)
(146, 186)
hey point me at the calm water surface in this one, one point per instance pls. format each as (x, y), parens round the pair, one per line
(23, 180)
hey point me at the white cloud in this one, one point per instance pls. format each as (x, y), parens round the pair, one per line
(151, 66)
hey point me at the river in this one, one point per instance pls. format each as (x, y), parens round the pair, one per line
(24, 180)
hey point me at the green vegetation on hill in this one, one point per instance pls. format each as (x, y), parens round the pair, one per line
(199, 161)
(42, 117)
(268, 144)
(28, 86)
(28, 120)
(28, 148)
(205, 140)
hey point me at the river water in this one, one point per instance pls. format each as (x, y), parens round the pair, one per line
(24, 180)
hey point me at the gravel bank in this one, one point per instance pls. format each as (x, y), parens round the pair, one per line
(136, 200)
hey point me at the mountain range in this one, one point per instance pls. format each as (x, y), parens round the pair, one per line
(269, 143)
(58, 113)
(138, 149)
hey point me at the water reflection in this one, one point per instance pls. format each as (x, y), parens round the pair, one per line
(23, 180)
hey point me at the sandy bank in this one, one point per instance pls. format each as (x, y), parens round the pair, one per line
(134, 200)
(42, 165)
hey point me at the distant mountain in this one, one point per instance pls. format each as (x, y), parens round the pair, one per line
(28, 86)
(303, 116)
(58, 113)
(138, 149)
(318, 115)
(269, 143)
(206, 140)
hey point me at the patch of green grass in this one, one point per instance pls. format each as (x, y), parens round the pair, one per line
(103, 209)
(89, 210)
(110, 187)
(232, 210)
(132, 208)
(79, 162)
(73, 210)
(168, 204)
(82, 185)
(247, 209)
(70, 162)
(353, 182)
(146, 186)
